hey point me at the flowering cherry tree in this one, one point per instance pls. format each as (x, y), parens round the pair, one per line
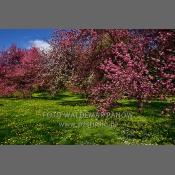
(10, 60)
(103, 64)
(111, 65)
(18, 71)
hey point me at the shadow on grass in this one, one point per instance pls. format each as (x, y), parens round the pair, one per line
(4, 133)
(73, 103)
(150, 109)
(153, 104)
(155, 108)
(46, 96)
(4, 130)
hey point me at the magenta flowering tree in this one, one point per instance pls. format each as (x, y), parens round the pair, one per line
(10, 61)
(105, 65)
(19, 71)
(161, 63)
(30, 67)
(113, 66)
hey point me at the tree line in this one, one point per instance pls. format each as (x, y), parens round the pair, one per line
(105, 65)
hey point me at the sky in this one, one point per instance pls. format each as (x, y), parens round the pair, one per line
(25, 38)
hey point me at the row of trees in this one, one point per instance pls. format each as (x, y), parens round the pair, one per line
(105, 65)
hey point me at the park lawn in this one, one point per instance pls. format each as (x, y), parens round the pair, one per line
(59, 120)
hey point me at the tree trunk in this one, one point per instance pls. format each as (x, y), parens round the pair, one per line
(140, 105)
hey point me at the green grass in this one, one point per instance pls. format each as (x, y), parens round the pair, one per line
(44, 120)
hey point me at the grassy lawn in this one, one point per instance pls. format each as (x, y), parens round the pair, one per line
(43, 120)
